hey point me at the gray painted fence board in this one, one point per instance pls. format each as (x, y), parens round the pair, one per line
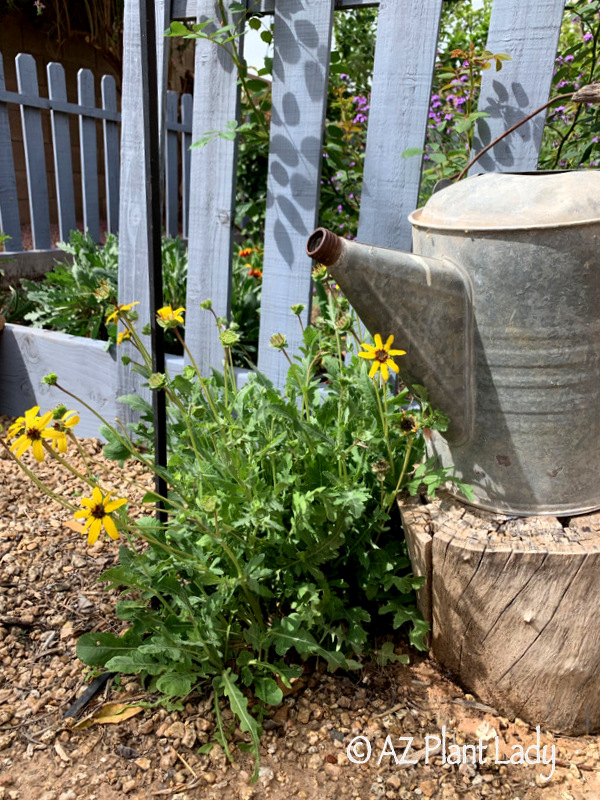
(35, 160)
(171, 176)
(10, 222)
(61, 145)
(111, 153)
(186, 9)
(302, 33)
(186, 141)
(44, 103)
(89, 156)
(213, 175)
(528, 30)
(404, 59)
(133, 217)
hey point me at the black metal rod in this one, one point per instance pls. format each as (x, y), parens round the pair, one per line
(154, 219)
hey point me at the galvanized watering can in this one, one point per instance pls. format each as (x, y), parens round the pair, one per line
(498, 309)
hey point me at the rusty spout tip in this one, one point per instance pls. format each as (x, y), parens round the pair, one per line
(324, 246)
(587, 94)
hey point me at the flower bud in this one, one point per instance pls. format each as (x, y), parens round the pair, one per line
(158, 380)
(278, 341)
(229, 338)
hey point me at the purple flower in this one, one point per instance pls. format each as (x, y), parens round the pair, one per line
(587, 37)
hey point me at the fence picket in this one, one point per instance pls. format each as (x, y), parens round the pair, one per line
(89, 155)
(171, 176)
(35, 159)
(302, 35)
(213, 175)
(528, 30)
(10, 222)
(61, 144)
(402, 77)
(186, 141)
(133, 219)
(110, 130)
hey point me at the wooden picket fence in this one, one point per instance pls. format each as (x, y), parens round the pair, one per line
(33, 108)
(404, 61)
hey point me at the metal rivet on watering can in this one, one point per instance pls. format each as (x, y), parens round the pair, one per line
(498, 309)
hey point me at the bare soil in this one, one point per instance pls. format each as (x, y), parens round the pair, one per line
(49, 595)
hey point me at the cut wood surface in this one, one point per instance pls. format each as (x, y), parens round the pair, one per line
(511, 606)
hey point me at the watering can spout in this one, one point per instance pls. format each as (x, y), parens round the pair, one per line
(426, 303)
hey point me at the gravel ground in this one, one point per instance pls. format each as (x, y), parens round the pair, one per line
(50, 595)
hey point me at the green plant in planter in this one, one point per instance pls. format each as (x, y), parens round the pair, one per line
(276, 542)
(77, 297)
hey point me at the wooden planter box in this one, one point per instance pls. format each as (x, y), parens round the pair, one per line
(83, 366)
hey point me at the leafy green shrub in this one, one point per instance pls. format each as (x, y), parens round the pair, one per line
(76, 298)
(277, 541)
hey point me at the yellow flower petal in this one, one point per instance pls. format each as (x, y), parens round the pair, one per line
(369, 347)
(41, 422)
(366, 355)
(393, 366)
(389, 343)
(87, 502)
(94, 531)
(81, 514)
(110, 527)
(374, 368)
(20, 445)
(30, 416)
(384, 370)
(378, 342)
(397, 352)
(38, 450)
(96, 496)
(114, 504)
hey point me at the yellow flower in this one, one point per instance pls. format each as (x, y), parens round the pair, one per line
(122, 335)
(381, 353)
(97, 510)
(169, 318)
(119, 309)
(245, 252)
(63, 421)
(16, 428)
(32, 431)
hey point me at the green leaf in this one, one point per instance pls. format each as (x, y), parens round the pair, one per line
(96, 649)
(114, 449)
(174, 685)
(239, 707)
(137, 403)
(177, 29)
(386, 655)
(412, 151)
(268, 691)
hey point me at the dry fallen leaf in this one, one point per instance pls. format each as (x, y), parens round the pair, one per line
(73, 525)
(109, 713)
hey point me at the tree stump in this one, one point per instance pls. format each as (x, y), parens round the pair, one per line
(513, 604)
